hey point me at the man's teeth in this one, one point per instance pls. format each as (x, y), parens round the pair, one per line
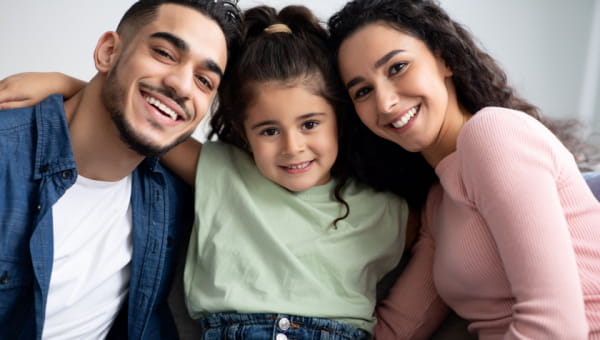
(165, 109)
(298, 166)
(406, 118)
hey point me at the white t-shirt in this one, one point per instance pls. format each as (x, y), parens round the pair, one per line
(92, 253)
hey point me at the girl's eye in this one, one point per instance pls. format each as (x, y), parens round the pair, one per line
(269, 132)
(361, 92)
(397, 68)
(311, 124)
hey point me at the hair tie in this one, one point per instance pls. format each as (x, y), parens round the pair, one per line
(278, 28)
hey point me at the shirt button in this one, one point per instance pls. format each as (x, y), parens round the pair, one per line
(67, 174)
(284, 324)
(4, 278)
(281, 336)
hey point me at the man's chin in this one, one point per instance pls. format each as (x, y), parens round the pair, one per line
(150, 149)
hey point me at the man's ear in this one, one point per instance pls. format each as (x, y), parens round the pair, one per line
(107, 51)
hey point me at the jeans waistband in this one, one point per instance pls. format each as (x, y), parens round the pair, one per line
(334, 327)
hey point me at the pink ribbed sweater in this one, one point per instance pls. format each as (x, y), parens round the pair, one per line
(513, 235)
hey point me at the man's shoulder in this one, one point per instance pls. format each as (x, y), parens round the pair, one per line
(50, 106)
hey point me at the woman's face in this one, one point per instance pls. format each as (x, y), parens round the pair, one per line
(398, 86)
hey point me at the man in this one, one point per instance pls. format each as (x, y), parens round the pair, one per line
(89, 221)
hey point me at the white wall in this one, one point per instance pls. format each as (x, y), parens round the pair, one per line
(550, 48)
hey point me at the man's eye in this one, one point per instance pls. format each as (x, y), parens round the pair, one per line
(163, 53)
(269, 132)
(205, 82)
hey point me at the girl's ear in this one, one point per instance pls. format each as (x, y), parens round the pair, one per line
(107, 51)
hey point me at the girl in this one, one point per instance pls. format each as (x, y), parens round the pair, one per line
(285, 243)
(514, 229)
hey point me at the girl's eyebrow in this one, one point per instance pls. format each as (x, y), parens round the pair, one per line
(380, 62)
(263, 123)
(310, 115)
(274, 122)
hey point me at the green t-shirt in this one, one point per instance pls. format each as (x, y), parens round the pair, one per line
(257, 247)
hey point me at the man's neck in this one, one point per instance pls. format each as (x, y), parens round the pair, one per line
(100, 153)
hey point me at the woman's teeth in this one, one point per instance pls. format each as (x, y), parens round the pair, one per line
(162, 107)
(406, 118)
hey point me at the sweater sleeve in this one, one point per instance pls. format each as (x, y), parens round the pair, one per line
(413, 309)
(511, 165)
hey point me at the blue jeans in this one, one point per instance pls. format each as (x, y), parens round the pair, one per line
(234, 326)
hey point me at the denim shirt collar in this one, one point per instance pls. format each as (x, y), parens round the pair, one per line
(52, 154)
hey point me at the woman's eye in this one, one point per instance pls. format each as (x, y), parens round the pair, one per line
(361, 92)
(311, 124)
(269, 132)
(397, 68)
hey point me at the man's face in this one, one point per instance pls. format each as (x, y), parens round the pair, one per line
(165, 79)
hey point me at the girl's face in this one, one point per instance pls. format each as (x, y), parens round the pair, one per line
(400, 89)
(292, 134)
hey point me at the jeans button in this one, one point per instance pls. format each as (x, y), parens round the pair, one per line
(284, 324)
(281, 336)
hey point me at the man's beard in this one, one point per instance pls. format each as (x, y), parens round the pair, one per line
(113, 98)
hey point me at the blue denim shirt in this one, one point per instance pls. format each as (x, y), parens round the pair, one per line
(36, 168)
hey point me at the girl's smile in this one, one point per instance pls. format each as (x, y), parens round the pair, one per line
(292, 134)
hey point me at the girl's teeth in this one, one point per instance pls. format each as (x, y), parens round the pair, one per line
(406, 118)
(165, 109)
(299, 166)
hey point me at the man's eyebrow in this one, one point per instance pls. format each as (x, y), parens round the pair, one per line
(380, 62)
(181, 45)
(213, 66)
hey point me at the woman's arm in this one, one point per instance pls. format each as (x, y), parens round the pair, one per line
(30, 88)
(512, 172)
(413, 308)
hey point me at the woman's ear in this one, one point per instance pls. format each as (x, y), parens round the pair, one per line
(446, 71)
(107, 51)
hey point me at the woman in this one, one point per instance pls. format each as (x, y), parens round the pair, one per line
(512, 228)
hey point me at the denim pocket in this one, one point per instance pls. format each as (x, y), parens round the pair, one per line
(14, 274)
(16, 296)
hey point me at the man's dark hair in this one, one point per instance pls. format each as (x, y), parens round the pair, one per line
(224, 12)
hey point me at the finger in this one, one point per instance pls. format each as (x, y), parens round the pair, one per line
(15, 104)
(6, 97)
